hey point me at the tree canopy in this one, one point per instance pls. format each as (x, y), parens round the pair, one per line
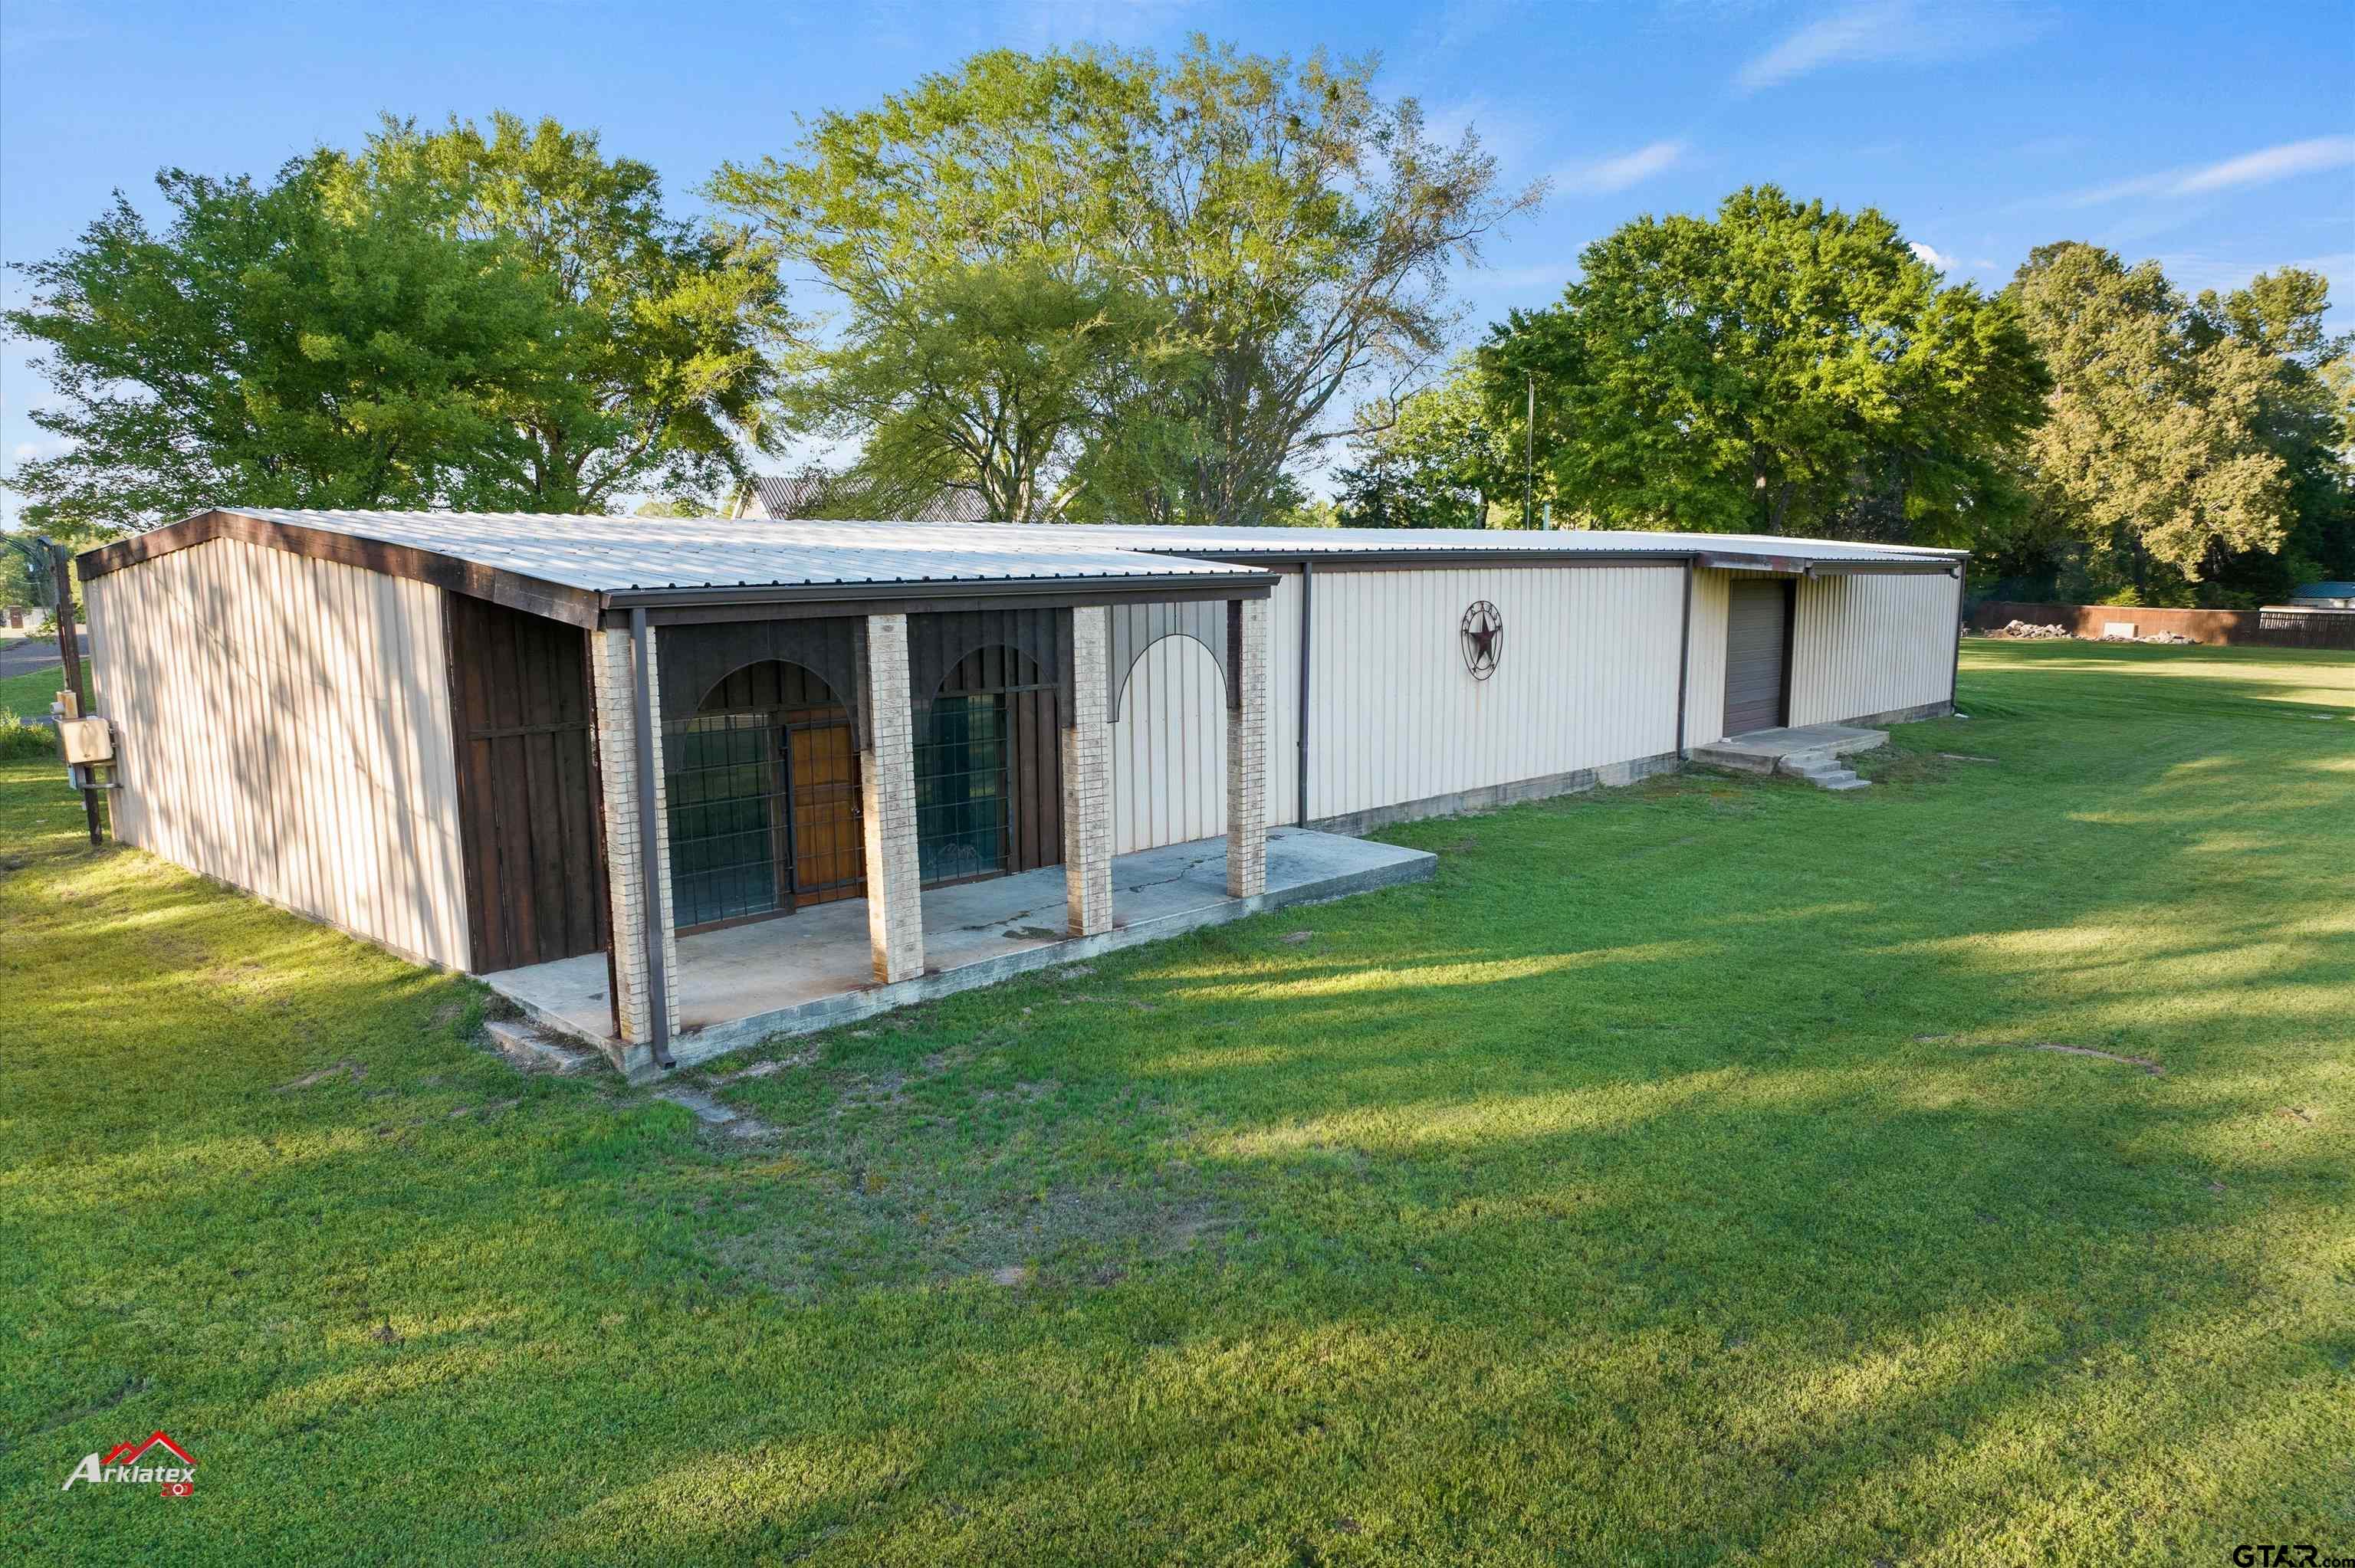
(1091, 283)
(1436, 458)
(2186, 442)
(1773, 369)
(450, 319)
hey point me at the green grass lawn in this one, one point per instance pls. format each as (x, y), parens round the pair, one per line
(1682, 1177)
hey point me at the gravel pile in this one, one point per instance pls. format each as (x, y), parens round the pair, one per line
(2023, 628)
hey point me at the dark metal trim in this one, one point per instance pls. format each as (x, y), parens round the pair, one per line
(1790, 646)
(649, 863)
(1379, 560)
(577, 607)
(1684, 659)
(925, 596)
(791, 609)
(1962, 610)
(1308, 577)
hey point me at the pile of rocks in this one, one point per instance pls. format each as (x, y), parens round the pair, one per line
(2176, 639)
(2024, 629)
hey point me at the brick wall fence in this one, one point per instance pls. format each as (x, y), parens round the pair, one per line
(2214, 627)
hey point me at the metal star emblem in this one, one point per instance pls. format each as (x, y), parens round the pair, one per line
(1483, 637)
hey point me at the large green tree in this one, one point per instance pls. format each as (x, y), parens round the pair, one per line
(293, 343)
(1779, 367)
(500, 320)
(657, 366)
(1299, 229)
(962, 227)
(2156, 450)
(1436, 458)
(1094, 285)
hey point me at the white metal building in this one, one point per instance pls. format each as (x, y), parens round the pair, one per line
(442, 731)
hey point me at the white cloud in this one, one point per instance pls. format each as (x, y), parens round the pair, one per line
(2192, 270)
(1883, 31)
(2261, 168)
(2273, 163)
(1606, 175)
(1934, 257)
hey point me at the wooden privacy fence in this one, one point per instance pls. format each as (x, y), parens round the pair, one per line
(2283, 628)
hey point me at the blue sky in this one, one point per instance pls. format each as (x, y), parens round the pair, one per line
(2218, 139)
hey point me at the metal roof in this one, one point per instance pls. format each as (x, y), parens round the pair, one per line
(786, 496)
(612, 554)
(1290, 544)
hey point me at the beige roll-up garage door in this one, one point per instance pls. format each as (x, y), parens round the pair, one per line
(1757, 654)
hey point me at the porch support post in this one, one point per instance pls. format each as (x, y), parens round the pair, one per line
(637, 864)
(1247, 747)
(887, 774)
(1087, 778)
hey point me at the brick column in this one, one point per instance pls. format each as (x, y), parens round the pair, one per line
(1247, 749)
(615, 684)
(887, 783)
(1087, 778)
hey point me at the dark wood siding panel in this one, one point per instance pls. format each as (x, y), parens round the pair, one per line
(534, 869)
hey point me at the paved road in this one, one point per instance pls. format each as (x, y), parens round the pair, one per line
(22, 655)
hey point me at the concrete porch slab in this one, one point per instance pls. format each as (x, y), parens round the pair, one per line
(1760, 750)
(812, 971)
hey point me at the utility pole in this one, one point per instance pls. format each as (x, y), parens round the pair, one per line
(1529, 458)
(69, 654)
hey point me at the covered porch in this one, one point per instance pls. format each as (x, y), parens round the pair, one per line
(738, 985)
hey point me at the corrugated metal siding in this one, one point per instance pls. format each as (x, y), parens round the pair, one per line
(1284, 700)
(1865, 645)
(1588, 677)
(284, 726)
(1705, 681)
(1169, 749)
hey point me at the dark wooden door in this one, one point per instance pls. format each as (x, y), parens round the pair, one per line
(528, 799)
(830, 858)
(1757, 656)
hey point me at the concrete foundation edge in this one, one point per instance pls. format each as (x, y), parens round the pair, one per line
(1488, 797)
(636, 1062)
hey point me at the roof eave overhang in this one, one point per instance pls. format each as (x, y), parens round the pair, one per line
(558, 601)
(923, 595)
(1798, 564)
(1823, 566)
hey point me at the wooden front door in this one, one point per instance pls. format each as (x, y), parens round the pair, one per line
(1758, 655)
(830, 846)
(530, 828)
(762, 790)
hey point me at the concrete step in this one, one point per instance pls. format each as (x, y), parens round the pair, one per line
(534, 1051)
(1822, 770)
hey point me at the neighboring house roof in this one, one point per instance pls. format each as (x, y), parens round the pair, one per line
(792, 496)
(2325, 591)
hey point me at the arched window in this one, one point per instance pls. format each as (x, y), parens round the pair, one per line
(762, 797)
(988, 766)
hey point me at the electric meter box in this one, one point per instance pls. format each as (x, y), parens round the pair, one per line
(86, 740)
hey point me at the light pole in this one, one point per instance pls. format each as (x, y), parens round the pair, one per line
(1530, 457)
